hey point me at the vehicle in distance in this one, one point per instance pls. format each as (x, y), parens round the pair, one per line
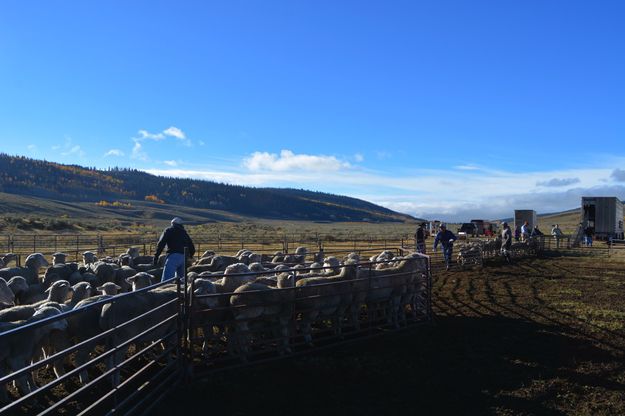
(467, 229)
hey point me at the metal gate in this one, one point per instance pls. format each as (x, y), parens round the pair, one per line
(123, 369)
(121, 354)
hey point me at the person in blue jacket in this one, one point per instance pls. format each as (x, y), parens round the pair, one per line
(446, 238)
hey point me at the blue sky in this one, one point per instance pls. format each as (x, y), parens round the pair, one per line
(452, 109)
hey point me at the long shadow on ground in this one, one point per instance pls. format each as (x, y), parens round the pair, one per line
(461, 366)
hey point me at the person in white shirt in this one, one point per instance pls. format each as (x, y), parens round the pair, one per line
(525, 231)
(556, 232)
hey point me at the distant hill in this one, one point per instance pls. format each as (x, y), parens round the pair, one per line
(72, 183)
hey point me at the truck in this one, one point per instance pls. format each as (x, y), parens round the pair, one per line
(485, 228)
(604, 215)
(467, 229)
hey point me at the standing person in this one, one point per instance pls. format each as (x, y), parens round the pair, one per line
(506, 241)
(420, 237)
(588, 233)
(446, 238)
(556, 232)
(176, 239)
(525, 231)
(536, 232)
(517, 233)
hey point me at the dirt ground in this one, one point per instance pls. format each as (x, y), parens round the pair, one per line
(540, 337)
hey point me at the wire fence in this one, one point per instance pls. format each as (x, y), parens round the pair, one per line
(115, 244)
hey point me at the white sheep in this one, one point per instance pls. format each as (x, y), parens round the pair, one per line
(18, 348)
(7, 297)
(109, 288)
(140, 280)
(19, 287)
(259, 302)
(30, 271)
(131, 305)
(326, 296)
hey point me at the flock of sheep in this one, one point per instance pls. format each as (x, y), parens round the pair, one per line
(473, 252)
(235, 300)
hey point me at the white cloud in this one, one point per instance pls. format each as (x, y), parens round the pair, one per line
(358, 157)
(145, 135)
(175, 132)
(172, 163)
(289, 161)
(201, 142)
(114, 152)
(74, 151)
(71, 149)
(446, 194)
(32, 148)
(466, 167)
(137, 151)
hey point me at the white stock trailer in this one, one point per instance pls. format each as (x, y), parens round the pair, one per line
(604, 214)
(522, 215)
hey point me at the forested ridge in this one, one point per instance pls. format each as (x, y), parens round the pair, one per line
(26, 176)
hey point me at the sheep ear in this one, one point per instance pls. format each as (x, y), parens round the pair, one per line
(130, 279)
(118, 287)
(48, 289)
(100, 288)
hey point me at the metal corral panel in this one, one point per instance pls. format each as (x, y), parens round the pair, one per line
(604, 214)
(522, 215)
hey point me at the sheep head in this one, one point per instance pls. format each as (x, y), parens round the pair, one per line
(58, 258)
(59, 291)
(36, 261)
(286, 280)
(109, 288)
(133, 252)
(140, 280)
(82, 290)
(89, 257)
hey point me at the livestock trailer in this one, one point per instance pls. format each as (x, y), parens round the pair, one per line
(604, 214)
(522, 215)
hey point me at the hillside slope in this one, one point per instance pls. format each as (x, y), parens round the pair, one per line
(72, 183)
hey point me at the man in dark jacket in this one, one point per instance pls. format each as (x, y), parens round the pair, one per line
(176, 239)
(446, 238)
(420, 237)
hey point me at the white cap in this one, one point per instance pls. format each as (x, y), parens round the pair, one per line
(176, 220)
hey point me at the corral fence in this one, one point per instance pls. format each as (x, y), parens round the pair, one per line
(125, 352)
(105, 244)
(479, 251)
